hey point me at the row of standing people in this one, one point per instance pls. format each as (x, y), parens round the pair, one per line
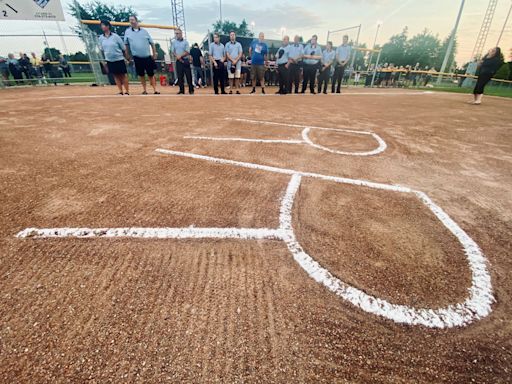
(291, 59)
(31, 67)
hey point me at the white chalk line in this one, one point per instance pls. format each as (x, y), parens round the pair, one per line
(114, 97)
(305, 137)
(477, 306)
(155, 233)
(285, 171)
(239, 139)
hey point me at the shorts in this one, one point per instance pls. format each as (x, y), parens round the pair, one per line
(238, 70)
(236, 75)
(144, 65)
(258, 72)
(117, 67)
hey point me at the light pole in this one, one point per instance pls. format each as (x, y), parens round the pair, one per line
(253, 25)
(220, 11)
(283, 31)
(504, 25)
(379, 24)
(451, 43)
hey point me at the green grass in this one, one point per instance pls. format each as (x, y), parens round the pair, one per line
(491, 91)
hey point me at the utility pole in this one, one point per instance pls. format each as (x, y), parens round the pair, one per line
(504, 25)
(451, 43)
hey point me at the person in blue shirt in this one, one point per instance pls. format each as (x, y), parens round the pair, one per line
(328, 57)
(217, 55)
(181, 50)
(258, 52)
(296, 54)
(312, 57)
(114, 50)
(343, 53)
(283, 66)
(138, 42)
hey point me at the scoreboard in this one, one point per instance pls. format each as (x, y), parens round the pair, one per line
(42, 10)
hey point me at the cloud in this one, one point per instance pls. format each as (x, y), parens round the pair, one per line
(200, 16)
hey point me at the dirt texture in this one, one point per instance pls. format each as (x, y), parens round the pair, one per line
(146, 310)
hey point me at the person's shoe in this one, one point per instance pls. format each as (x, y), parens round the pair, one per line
(144, 93)
(120, 93)
(230, 92)
(180, 93)
(216, 93)
(263, 91)
(325, 92)
(278, 93)
(127, 93)
(238, 93)
(156, 93)
(191, 92)
(223, 93)
(253, 91)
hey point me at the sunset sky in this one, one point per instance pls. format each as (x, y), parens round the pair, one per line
(308, 17)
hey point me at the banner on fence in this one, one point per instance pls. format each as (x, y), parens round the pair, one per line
(42, 10)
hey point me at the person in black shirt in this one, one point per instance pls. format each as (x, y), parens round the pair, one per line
(489, 65)
(198, 65)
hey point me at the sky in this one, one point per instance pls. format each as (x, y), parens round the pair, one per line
(303, 17)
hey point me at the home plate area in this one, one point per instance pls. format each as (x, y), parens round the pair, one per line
(316, 256)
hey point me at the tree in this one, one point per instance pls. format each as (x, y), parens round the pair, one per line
(226, 26)
(52, 53)
(442, 53)
(97, 10)
(503, 73)
(395, 50)
(78, 56)
(424, 49)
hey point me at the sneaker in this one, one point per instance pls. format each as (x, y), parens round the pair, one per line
(144, 93)
(263, 91)
(253, 91)
(156, 93)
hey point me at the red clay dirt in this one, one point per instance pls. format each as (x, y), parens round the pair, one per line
(144, 310)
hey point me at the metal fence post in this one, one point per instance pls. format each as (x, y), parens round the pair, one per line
(375, 70)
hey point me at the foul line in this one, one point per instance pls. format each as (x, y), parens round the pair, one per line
(113, 97)
(285, 171)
